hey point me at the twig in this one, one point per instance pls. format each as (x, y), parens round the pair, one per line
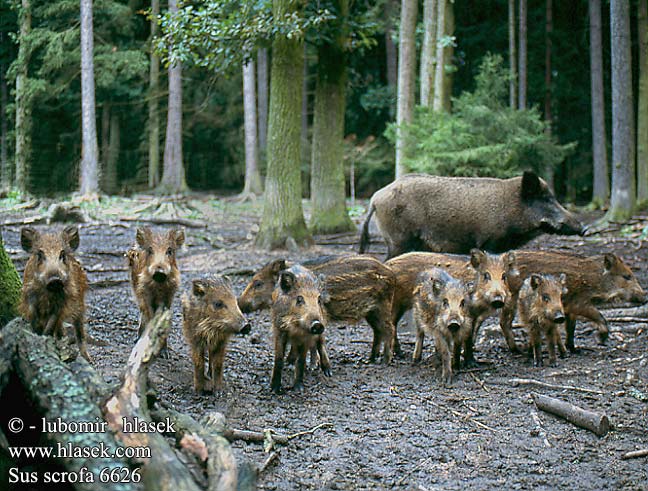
(309, 432)
(259, 436)
(465, 417)
(540, 429)
(635, 454)
(595, 422)
(527, 381)
(24, 221)
(268, 462)
(107, 283)
(638, 320)
(479, 381)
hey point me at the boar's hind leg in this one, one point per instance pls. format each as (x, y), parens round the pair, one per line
(506, 324)
(570, 327)
(383, 333)
(79, 332)
(197, 357)
(418, 347)
(280, 350)
(592, 313)
(216, 359)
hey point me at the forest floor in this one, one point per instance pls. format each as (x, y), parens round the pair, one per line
(378, 427)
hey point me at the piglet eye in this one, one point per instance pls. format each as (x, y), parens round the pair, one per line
(40, 255)
(627, 277)
(487, 276)
(445, 302)
(546, 298)
(462, 304)
(257, 284)
(149, 250)
(169, 251)
(300, 300)
(62, 256)
(218, 304)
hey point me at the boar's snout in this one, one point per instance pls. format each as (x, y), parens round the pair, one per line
(55, 283)
(559, 318)
(454, 325)
(317, 327)
(497, 302)
(570, 225)
(246, 329)
(159, 276)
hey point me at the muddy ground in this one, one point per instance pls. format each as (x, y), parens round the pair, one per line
(386, 427)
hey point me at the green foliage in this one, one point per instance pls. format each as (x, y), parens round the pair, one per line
(10, 286)
(483, 136)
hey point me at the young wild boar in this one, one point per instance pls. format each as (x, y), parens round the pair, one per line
(489, 274)
(210, 317)
(441, 309)
(541, 312)
(455, 214)
(54, 284)
(591, 281)
(154, 272)
(297, 318)
(357, 287)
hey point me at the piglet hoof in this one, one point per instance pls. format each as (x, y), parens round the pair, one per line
(603, 337)
(471, 363)
(327, 371)
(276, 389)
(574, 350)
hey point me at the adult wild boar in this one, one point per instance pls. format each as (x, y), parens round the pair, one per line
(455, 214)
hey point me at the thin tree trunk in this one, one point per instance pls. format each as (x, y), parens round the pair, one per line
(448, 54)
(513, 92)
(642, 109)
(391, 55)
(406, 76)
(252, 176)
(262, 96)
(282, 223)
(428, 53)
(90, 153)
(23, 149)
(601, 192)
(105, 132)
(5, 167)
(522, 53)
(304, 111)
(328, 186)
(112, 157)
(437, 104)
(173, 178)
(623, 131)
(153, 105)
(549, 170)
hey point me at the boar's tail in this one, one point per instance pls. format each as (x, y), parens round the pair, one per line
(364, 237)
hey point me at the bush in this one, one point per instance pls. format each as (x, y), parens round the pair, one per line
(483, 136)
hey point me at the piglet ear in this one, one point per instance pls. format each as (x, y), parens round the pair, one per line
(563, 283)
(477, 257)
(277, 265)
(71, 237)
(177, 236)
(326, 297)
(536, 279)
(287, 281)
(199, 288)
(437, 286)
(28, 237)
(609, 260)
(143, 236)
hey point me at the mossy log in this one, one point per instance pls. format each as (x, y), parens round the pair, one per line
(10, 286)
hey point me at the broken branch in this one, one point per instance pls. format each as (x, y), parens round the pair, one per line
(527, 381)
(598, 424)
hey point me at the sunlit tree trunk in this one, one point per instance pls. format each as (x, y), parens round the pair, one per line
(447, 74)
(252, 176)
(282, 223)
(23, 151)
(173, 178)
(153, 105)
(5, 166)
(328, 186)
(549, 170)
(89, 182)
(623, 131)
(512, 55)
(262, 97)
(642, 109)
(437, 104)
(601, 192)
(391, 55)
(428, 53)
(406, 76)
(305, 154)
(522, 54)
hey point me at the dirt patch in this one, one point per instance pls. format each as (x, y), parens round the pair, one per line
(391, 427)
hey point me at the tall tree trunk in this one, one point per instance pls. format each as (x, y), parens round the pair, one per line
(623, 131)
(111, 160)
(105, 132)
(282, 223)
(173, 178)
(513, 92)
(428, 53)
(601, 192)
(153, 105)
(252, 176)
(642, 108)
(304, 112)
(328, 186)
(90, 152)
(549, 170)
(391, 8)
(23, 151)
(448, 54)
(5, 167)
(522, 53)
(437, 104)
(262, 97)
(406, 76)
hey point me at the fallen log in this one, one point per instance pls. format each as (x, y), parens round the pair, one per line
(635, 454)
(597, 423)
(166, 221)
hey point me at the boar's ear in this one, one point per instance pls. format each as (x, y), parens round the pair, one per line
(326, 297)
(536, 279)
(177, 236)
(437, 286)
(563, 282)
(28, 237)
(287, 281)
(199, 287)
(277, 265)
(477, 257)
(71, 237)
(609, 260)
(143, 236)
(531, 185)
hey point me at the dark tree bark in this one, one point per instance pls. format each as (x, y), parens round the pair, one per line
(328, 187)
(391, 52)
(549, 170)
(428, 53)
(522, 54)
(5, 166)
(623, 124)
(304, 111)
(89, 180)
(262, 97)
(513, 92)
(283, 222)
(601, 192)
(111, 162)
(440, 56)
(642, 109)
(23, 149)
(10, 286)
(252, 176)
(406, 77)
(153, 106)
(448, 55)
